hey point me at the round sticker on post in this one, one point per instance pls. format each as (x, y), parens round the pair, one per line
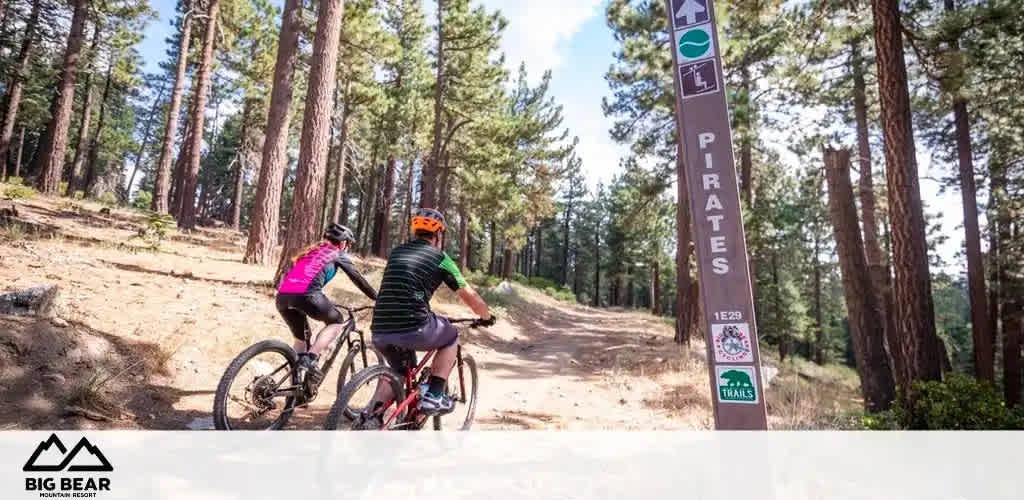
(732, 343)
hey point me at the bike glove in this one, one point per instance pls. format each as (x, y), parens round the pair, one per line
(487, 322)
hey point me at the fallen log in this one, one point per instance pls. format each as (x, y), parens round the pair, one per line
(36, 301)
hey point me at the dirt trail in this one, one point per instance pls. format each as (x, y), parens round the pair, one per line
(149, 334)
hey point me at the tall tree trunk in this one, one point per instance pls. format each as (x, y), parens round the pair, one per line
(981, 329)
(492, 268)
(656, 289)
(91, 162)
(339, 167)
(876, 263)
(819, 326)
(428, 181)
(597, 265)
(866, 324)
(16, 85)
(161, 186)
(77, 182)
(1011, 306)
(316, 124)
(240, 159)
(387, 192)
(195, 139)
(913, 308)
(684, 236)
(539, 252)
(179, 171)
(444, 183)
(565, 239)
(463, 237)
(21, 148)
(55, 143)
(145, 141)
(409, 186)
(267, 208)
(509, 262)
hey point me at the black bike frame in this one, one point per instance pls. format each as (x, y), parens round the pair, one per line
(348, 327)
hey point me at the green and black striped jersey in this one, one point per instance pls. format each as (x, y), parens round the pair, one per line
(413, 273)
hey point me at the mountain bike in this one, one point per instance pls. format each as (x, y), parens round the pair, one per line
(401, 410)
(271, 384)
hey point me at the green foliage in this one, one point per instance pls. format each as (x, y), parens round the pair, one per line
(142, 200)
(960, 402)
(108, 199)
(63, 187)
(17, 181)
(158, 225)
(19, 192)
(481, 279)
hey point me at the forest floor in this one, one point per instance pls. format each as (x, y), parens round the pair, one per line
(141, 337)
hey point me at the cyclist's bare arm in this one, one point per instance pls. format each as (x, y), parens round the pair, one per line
(473, 300)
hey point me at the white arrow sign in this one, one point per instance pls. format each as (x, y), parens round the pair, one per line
(689, 10)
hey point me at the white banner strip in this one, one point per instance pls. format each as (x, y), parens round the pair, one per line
(513, 465)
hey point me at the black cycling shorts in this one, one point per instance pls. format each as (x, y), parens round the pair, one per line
(296, 308)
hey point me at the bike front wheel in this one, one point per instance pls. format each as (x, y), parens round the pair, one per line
(376, 383)
(359, 358)
(257, 391)
(462, 387)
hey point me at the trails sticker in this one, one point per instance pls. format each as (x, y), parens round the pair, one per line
(698, 79)
(695, 43)
(736, 384)
(732, 343)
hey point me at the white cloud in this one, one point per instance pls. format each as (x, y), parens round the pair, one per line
(538, 30)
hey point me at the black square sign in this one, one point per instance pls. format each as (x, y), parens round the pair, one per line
(689, 12)
(698, 78)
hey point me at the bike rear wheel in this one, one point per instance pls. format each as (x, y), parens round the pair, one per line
(359, 393)
(462, 388)
(253, 393)
(359, 358)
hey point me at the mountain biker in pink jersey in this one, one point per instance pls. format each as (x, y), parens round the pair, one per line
(300, 294)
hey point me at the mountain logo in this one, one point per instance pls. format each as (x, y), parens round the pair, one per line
(52, 456)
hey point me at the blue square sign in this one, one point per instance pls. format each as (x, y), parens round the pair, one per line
(689, 12)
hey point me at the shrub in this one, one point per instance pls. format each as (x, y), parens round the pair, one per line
(79, 195)
(17, 181)
(19, 192)
(63, 187)
(157, 226)
(143, 199)
(482, 279)
(541, 283)
(108, 199)
(958, 403)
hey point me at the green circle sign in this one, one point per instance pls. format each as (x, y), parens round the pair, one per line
(694, 43)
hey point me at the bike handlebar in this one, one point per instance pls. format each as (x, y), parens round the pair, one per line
(473, 322)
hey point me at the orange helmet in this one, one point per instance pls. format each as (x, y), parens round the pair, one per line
(427, 219)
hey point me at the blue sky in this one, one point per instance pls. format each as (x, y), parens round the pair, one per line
(570, 37)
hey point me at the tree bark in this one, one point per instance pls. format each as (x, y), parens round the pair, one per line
(597, 264)
(387, 191)
(876, 262)
(77, 182)
(1010, 289)
(509, 262)
(56, 139)
(316, 124)
(267, 208)
(407, 215)
(463, 237)
(16, 85)
(819, 334)
(240, 159)
(565, 239)
(161, 187)
(684, 236)
(179, 171)
(866, 324)
(656, 289)
(339, 167)
(195, 139)
(913, 308)
(492, 267)
(21, 147)
(981, 329)
(91, 167)
(428, 181)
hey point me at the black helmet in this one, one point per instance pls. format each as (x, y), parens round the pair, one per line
(336, 233)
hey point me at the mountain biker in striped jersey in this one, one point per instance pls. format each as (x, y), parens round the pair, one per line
(402, 320)
(300, 294)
